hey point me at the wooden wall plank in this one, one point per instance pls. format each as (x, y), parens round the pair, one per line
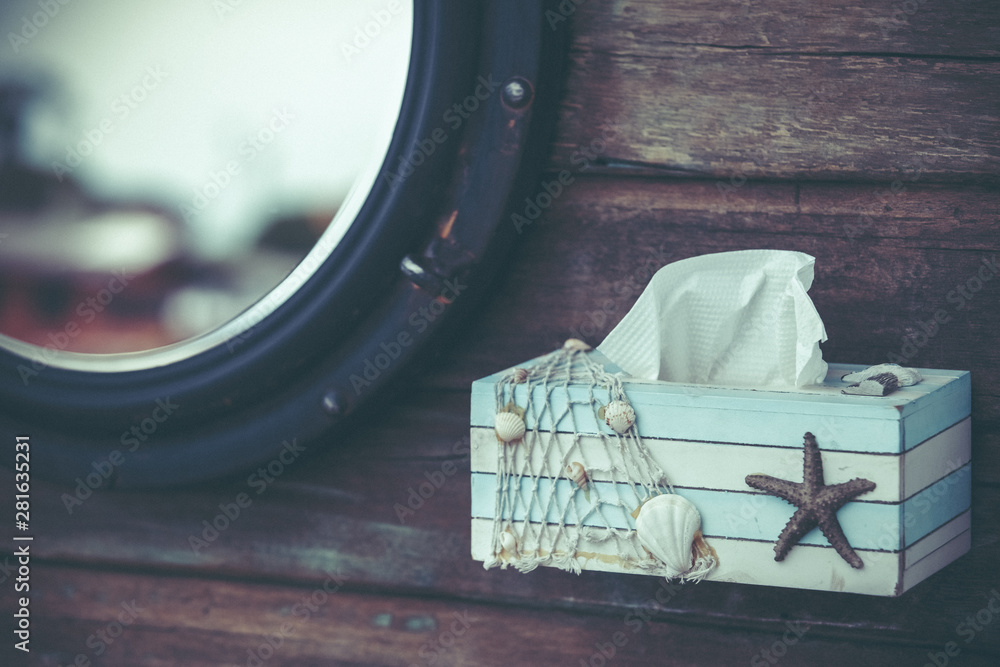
(886, 262)
(838, 91)
(196, 622)
(961, 28)
(749, 113)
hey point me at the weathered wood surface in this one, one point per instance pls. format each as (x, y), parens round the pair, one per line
(961, 28)
(185, 621)
(785, 90)
(884, 262)
(791, 91)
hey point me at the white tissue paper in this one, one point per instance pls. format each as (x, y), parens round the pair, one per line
(736, 319)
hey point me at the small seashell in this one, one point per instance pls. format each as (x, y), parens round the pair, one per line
(509, 426)
(576, 344)
(882, 384)
(508, 542)
(667, 526)
(577, 473)
(906, 377)
(619, 415)
(519, 376)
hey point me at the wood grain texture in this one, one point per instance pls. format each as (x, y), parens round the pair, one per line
(777, 92)
(195, 622)
(963, 28)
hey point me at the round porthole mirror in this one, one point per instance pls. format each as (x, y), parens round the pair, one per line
(225, 226)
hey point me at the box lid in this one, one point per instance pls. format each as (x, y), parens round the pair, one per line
(888, 424)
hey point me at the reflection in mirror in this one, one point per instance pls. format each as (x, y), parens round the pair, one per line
(164, 166)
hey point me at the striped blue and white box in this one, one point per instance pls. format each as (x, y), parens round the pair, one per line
(915, 444)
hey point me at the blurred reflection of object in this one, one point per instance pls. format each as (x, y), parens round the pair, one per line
(76, 274)
(157, 162)
(236, 285)
(81, 275)
(21, 187)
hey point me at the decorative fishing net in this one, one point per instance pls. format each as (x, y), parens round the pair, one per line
(547, 503)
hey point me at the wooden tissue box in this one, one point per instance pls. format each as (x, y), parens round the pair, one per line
(914, 444)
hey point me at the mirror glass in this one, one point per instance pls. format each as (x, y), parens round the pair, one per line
(171, 171)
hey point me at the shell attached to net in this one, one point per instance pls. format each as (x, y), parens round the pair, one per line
(509, 426)
(577, 473)
(905, 377)
(667, 526)
(519, 376)
(619, 415)
(508, 542)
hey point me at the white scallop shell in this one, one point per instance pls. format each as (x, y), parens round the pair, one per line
(905, 376)
(619, 415)
(509, 426)
(577, 473)
(519, 376)
(666, 526)
(508, 542)
(576, 344)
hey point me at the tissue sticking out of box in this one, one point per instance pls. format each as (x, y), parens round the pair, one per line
(740, 319)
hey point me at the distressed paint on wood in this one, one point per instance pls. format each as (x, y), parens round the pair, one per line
(741, 515)
(896, 477)
(808, 566)
(779, 418)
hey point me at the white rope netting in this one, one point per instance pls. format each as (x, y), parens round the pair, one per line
(536, 521)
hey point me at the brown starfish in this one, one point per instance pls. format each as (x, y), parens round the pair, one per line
(817, 504)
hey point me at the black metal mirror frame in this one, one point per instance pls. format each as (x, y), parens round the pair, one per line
(480, 99)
